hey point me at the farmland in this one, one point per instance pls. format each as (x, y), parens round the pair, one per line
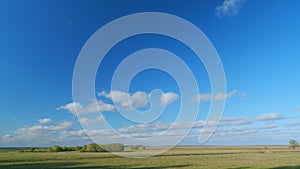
(180, 157)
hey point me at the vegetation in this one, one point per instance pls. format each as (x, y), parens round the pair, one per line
(137, 147)
(92, 148)
(294, 144)
(276, 157)
(64, 148)
(116, 147)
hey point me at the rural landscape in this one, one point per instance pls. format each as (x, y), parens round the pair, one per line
(264, 157)
(149, 84)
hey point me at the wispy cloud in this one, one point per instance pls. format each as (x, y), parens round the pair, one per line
(96, 106)
(36, 135)
(45, 120)
(205, 97)
(270, 117)
(147, 127)
(229, 7)
(231, 130)
(293, 124)
(168, 98)
(90, 121)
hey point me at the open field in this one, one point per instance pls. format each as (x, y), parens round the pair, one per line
(180, 157)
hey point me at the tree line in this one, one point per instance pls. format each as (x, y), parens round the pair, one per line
(115, 147)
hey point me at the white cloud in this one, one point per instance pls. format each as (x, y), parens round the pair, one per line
(138, 99)
(222, 96)
(99, 106)
(44, 129)
(45, 120)
(235, 121)
(293, 124)
(269, 117)
(147, 127)
(233, 129)
(168, 98)
(205, 97)
(94, 107)
(72, 108)
(89, 121)
(36, 135)
(8, 138)
(229, 7)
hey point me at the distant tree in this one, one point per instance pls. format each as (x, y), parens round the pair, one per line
(294, 144)
(56, 149)
(92, 148)
(83, 148)
(114, 147)
(77, 148)
(134, 148)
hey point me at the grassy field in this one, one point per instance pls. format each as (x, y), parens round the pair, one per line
(275, 157)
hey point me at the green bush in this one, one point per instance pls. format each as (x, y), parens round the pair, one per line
(294, 144)
(89, 148)
(138, 147)
(92, 148)
(115, 147)
(134, 148)
(56, 149)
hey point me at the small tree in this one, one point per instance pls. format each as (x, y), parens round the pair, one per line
(294, 144)
(56, 149)
(134, 148)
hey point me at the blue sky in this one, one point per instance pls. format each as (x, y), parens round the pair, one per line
(257, 42)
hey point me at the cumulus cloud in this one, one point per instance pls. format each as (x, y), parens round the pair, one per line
(205, 97)
(36, 135)
(89, 121)
(45, 120)
(239, 129)
(96, 106)
(222, 96)
(235, 121)
(99, 106)
(269, 117)
(168, 98)
(138, 99)
(72, 108)
(43, 129)
(229, 7)
(231, 128)
(147, 127)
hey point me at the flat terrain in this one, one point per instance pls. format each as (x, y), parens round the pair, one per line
(180, 157)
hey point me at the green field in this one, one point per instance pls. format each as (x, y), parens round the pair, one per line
(179, 157)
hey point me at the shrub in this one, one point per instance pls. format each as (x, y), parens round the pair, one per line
(56, 149)
(77, 148)
(115, 147)
(294, 144)
(92, 148)
(134, 148)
